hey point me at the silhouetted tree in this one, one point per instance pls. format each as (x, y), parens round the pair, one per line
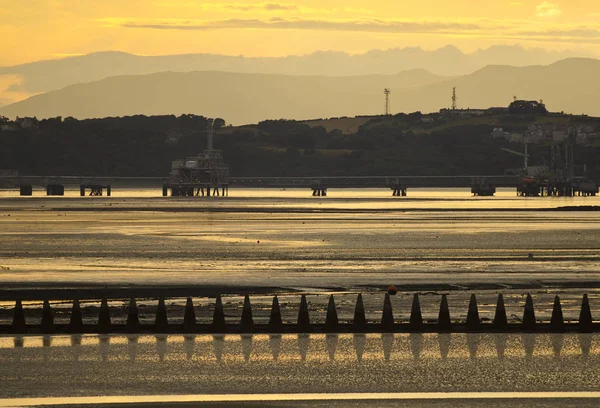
(527, 107)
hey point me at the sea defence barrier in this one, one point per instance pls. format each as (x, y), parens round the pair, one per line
(303, 324)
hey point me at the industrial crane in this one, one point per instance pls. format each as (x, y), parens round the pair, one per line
(524, 155)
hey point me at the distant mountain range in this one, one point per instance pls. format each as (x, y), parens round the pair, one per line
(569, 85)
(44, 76)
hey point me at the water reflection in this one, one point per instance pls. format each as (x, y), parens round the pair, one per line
(247, 346)
(332, 341)
(103, 346)
(132, 346)
(529, 345)
(585, 342)
(416, 344)
(189, 344)
(303, 344)
(218, 346)
(307, 347)
(360, 340)
(473, 340)
(500, 342)
(275, 345)
(558, 340)
(76, 346)
(161, 346)
(387, 342)
(444, 343)
(300, 363)
(18, 342)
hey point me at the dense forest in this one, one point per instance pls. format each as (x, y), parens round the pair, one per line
(384, 145)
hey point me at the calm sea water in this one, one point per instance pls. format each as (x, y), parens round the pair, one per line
(352, 241)
(392, 365)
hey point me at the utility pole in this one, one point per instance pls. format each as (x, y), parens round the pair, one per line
(387, 93)
(210, 130)
(454, 98)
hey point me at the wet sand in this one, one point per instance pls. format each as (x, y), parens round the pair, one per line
(288, 243)
(118, 365)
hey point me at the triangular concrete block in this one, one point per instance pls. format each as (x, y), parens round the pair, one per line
(444, 322)
(529, 314)
(247, 322)
(500, 318)
(557, 321)
(161, 324)
(331, 320)
(218, 323)
(387, 317)
(585, 316)
(275, 320)
(104, 324)
(303, 317)
(473, 320)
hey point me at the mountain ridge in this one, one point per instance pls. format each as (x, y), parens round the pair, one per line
(569, 85)
(52, 74)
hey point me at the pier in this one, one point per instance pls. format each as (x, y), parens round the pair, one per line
(192, 180)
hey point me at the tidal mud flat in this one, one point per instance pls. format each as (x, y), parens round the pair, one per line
(151, 247)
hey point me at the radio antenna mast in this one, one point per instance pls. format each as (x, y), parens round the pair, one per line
(387, 93)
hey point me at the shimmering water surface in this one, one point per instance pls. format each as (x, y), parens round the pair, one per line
(254, 238)
(351, 241)
(93, 365)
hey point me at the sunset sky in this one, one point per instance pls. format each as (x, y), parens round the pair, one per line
(42, 29)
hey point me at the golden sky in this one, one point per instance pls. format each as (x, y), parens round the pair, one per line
(40, 29)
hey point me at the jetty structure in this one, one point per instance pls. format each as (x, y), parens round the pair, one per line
(559, 178)
(203, 175)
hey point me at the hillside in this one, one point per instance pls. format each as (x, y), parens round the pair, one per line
(384, 145)
(49, 75)
(570, 85)
(243, 98)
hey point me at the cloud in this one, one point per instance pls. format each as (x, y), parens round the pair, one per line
(546, 9)
(260, 6)
(360, 25)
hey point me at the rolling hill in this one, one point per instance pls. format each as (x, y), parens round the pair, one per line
(568, 85)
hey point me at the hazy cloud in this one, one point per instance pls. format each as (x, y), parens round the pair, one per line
(261, 6)
(368, 25)
(546, 9)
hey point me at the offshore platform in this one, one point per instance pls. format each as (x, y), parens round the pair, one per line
(203, 175)
(559, 178)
